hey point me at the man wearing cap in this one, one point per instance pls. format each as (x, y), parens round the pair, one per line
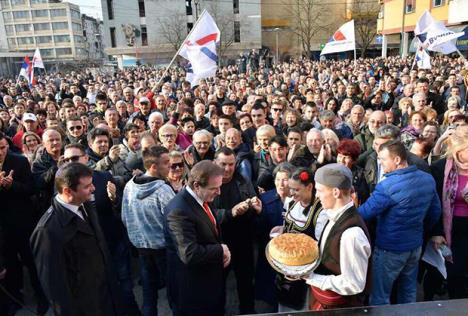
(145, 109)
(29, 124)
(341, 278)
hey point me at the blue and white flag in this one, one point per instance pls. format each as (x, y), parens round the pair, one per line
(434, 36)
(423, 60)
(200, 49)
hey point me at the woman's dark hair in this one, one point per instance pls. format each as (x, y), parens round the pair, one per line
(304, 176)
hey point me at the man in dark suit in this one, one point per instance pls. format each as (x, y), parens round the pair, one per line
(17, 220)
(106, 203)
(196, 256)
(70, 251)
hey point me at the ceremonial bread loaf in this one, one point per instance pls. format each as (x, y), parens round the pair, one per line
(293, 249)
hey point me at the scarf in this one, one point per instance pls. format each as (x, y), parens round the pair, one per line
(450, 186)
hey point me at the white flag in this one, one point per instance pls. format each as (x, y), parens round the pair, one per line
(342, 40)
(37, 60)
(434, 36)
(200, 49)
(423, 60)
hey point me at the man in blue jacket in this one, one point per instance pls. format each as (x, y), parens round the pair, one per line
(405, 204)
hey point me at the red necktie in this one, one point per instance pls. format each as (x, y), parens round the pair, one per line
(210, 215)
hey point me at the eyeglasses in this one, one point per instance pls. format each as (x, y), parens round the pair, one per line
(168, 136)
(78, 127)
(174, 166)
(276, 109)
(72, 158)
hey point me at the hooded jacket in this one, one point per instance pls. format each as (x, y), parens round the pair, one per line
(143, 203)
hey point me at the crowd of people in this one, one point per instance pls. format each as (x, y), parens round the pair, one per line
(101, 171)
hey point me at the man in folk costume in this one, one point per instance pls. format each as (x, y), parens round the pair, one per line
(342, 276)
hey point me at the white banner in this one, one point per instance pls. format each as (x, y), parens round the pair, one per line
(342, 40)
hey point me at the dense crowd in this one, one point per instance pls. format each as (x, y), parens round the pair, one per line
(95, 171)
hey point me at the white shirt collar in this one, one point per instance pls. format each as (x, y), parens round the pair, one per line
(70, 207)
(334, 215)
(194, 195)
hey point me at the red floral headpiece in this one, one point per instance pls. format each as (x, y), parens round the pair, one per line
(304, 176)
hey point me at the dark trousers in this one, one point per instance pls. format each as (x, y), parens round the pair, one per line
(457, 272)
(242, 263)
(17, 254)
(153, 273)
(120, 253)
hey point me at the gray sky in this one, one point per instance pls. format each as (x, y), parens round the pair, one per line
(89, 7)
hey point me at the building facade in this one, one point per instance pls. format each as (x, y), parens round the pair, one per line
(52, 26)
(398, 18)
(94, 48)
(152, 31)
(289, 26)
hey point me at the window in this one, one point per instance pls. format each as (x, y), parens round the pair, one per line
(39, 1)
(188, 7)
(44, 39)
(77, 27)
(78, 39)
(58, 12)
(112, 37)
(59, 25)
(40, 13)
(21, 14)
(144, 36)
(9, 29)
(47, 52)
(110, 9)
(437, 3)
(75, 14)
(237, 36)
(5, 4)
(25, 40)
(62, 38)
(410, 6)
(23, 27)
(141, 8)
(18, 2)
(63, 51)
(42, 26)
(7, 16)
(235, 5)
(189, 27)
(12, 42)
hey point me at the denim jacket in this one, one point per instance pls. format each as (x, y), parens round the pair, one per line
(143, 204)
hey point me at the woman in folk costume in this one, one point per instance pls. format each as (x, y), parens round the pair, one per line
(302, 216)
(342, 276)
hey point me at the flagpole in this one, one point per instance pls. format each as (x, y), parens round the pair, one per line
(180, 48)
(461, 55)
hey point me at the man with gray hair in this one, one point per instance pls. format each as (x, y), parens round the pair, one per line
(373, 171)
(366, 137)
(419, 101)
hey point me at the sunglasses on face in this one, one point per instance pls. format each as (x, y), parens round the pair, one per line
(78, 127)
(174, 166)
(72, 159)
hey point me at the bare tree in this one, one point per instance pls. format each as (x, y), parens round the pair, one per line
(310, 18)
(173, 28)
(365, 23)
(225, 22)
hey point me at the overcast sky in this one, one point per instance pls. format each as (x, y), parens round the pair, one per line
(89, 7)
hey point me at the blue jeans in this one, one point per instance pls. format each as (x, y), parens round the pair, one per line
(399, 268)
(153, 275)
